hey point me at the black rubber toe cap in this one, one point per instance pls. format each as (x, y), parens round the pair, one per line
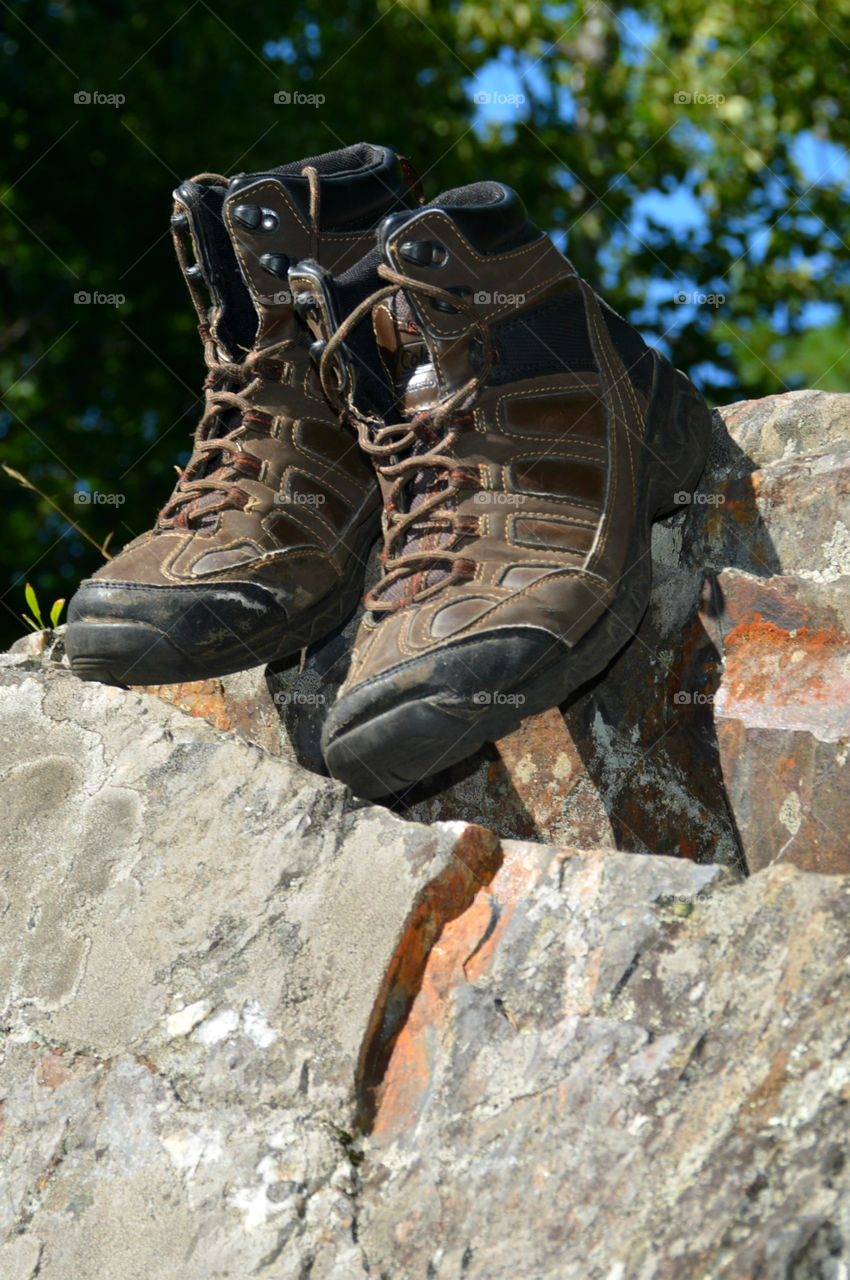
(391, 731)
(134, 633)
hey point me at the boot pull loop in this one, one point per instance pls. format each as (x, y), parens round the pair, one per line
(312, 175)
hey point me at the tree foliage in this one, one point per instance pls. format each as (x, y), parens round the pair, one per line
(717, 106)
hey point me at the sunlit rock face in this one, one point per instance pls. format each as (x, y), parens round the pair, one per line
(576, 1011)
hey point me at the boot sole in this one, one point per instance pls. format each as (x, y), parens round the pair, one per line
(399, 747)
(118, 652)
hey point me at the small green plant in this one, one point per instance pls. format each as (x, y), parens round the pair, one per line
(36, 621)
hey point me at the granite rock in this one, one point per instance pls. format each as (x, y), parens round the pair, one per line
(621, 1068)
(204, 954)
(251, 1026)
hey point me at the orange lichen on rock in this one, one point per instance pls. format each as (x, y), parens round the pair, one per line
(763, 661)
(477, 854)
(52, 1070)
(757, 631)
(460, 955)
(201, 698)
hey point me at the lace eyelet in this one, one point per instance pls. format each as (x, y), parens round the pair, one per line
(255, 218)
(460, 290)
(424, 253)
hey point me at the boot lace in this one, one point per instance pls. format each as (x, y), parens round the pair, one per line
(228, 388)
(423, 443)
(228, 408)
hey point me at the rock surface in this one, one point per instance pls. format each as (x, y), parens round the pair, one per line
(253, 1026)
(782, 714)
(200, 966)
(642, 1072)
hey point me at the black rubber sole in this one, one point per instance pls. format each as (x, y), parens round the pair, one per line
(430, 728)
(131, 651)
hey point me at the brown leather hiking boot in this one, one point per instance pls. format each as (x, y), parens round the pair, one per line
(538, 441)
(261, 546)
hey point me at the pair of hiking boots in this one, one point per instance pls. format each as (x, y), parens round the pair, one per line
(439, 369)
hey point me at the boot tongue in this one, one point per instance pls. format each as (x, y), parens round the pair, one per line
(391, 366)
(198, 211)
(324, 301)
(493, 219)
(404, 353)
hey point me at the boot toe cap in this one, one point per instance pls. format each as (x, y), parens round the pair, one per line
(389, 731)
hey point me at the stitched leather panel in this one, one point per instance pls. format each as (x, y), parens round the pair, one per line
(550, 531)
(562, 414)
(567, 478)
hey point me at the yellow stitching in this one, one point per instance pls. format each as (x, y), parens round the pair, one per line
(288, 514)
(557, 498)
(546, 517)
(566, 572)
(558, 457)
(262, 186)
(293, 466)
(533, 391)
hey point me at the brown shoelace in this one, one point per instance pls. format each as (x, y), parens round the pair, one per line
(229, 386)
(219, 398)
(404, 449)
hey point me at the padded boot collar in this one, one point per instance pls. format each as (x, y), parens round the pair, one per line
(359, 184)
(489, 215)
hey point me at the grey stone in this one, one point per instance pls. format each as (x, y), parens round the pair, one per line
(649, 1079)
(784, 426)
(196, 950)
